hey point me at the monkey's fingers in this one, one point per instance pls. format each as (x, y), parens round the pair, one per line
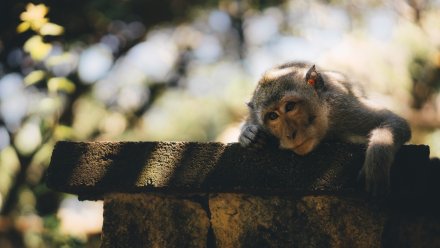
(245, 141)
(252, 137)
(248, 135)
(252, 143)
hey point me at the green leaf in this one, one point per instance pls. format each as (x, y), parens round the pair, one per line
(60, 84)
(63, 132)
(34, 77)
(23, 27)
(51, 29)
(37, 48)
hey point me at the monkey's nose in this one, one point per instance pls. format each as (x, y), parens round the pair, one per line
(292, 135)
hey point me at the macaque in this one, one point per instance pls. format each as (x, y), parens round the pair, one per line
(300, 106)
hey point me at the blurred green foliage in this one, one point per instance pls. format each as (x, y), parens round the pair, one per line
(181, 70)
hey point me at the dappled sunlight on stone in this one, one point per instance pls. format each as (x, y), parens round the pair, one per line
(175, 193)
(160, 169)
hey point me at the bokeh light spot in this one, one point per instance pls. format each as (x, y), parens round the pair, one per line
(28, 138)
(94, 63)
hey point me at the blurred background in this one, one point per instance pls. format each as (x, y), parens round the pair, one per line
(181, 70)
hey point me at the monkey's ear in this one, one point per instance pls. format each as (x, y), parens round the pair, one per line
(314, 79)
(250, 105)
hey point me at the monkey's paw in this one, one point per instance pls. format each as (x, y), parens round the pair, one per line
(375, 174)
(252, 137)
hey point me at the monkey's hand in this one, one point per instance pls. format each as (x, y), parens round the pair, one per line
(379, 157)
(252, 136)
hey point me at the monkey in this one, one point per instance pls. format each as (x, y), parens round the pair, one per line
(299, 106)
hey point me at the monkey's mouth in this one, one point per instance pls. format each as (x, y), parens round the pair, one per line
(301, 149)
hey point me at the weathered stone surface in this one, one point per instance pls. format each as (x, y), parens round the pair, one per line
(94, 168)
(411, 230)
(311, 221)
(244, 220)
(180, 194)
(329, 221)
(141, 220)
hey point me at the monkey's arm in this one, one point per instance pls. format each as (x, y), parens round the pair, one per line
(386, 132)
(383, 143)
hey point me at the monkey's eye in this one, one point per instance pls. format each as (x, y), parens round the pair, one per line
(272, 116)
(290, 106)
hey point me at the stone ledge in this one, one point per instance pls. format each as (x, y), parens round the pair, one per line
(91, 169)
(213, 195)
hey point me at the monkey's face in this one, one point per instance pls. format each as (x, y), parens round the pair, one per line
(297, 125)
(291, 110)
